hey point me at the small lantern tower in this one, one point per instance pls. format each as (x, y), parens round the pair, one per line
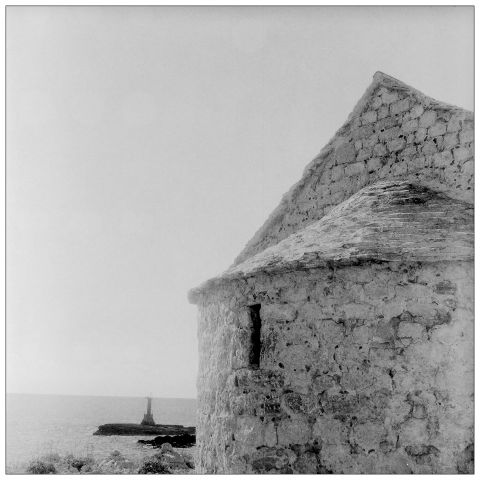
(148, 417)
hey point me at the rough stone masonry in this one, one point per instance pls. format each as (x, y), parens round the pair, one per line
(341, 340)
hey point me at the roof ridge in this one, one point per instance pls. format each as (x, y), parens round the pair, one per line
(382, 79)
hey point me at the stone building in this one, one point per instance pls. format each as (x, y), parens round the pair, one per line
(341, 340)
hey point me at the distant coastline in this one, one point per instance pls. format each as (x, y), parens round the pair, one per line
(60, 427)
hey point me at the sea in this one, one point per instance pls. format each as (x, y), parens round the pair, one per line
(37, 425)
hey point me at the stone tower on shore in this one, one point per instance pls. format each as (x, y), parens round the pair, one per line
(341, 340)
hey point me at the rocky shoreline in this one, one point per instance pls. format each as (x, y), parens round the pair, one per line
(177, 441)
(135, 429)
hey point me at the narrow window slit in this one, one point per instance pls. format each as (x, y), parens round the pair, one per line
(255, 336)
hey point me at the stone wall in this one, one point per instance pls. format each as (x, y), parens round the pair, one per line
(394, 132)
(364, 369)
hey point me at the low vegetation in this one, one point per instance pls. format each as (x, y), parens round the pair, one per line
(38, 467)
(165, 461)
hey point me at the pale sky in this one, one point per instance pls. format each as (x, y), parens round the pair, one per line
(146, 145)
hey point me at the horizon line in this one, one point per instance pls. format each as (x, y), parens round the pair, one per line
(97, 395)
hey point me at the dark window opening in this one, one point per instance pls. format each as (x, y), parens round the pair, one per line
(255, 336)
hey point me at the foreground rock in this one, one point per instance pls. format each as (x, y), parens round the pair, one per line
(167, 461)
(178, 441)
(135, 429)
